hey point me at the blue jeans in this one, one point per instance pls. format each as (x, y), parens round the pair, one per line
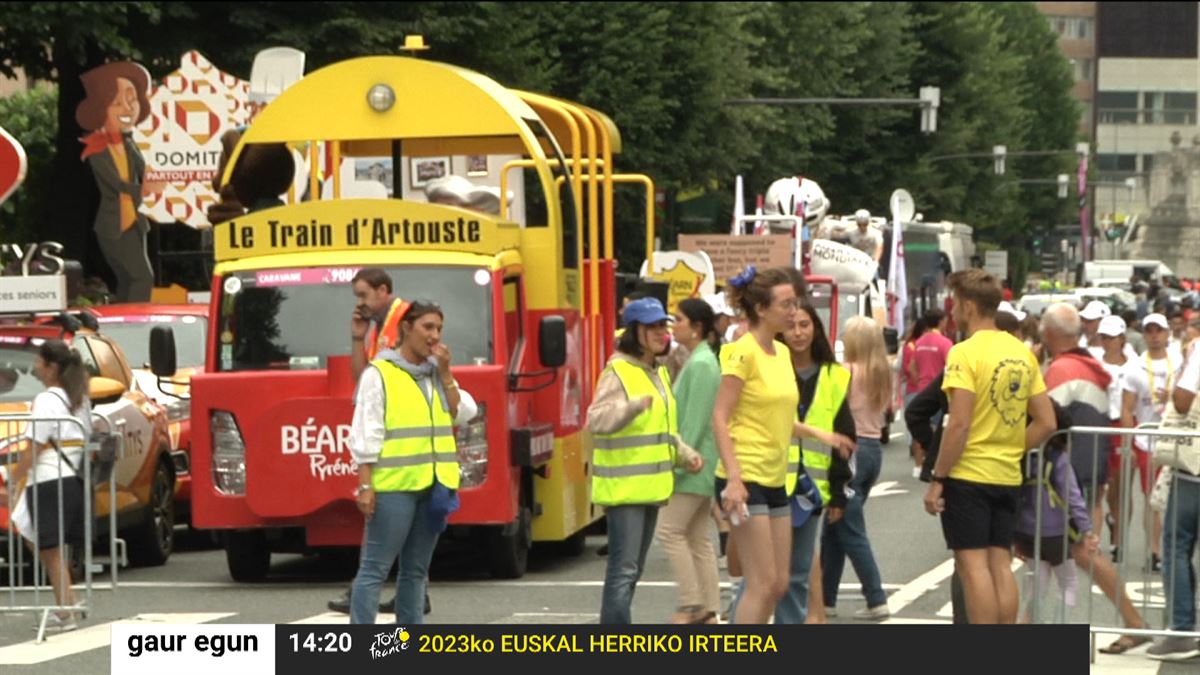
(848, 536)
(1181, 529)
(399, 527)
(793, 606)
(630, 531)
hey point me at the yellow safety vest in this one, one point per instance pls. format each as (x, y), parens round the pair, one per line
(635, 465)
(833, 384)
(418, 440)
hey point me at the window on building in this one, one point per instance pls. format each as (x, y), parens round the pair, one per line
(1168, 107)
(1085, 113)
(1147, 163)
(1073, 27)
(1083, 69)
(1117, 107)
(1115, 167)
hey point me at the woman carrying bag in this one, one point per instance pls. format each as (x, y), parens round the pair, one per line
(814, 466)
(403, 441)
(53, 468)
(634, 420)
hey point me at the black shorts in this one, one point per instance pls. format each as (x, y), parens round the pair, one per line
(44, 512)
(762, 501)
(978, 515)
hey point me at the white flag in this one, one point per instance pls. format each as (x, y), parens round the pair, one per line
(739, 207)
(897, 281)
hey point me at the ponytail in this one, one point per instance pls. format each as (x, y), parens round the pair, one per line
(701, 313)
(72, 376)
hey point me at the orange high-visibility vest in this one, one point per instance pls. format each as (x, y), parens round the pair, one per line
(378, 340)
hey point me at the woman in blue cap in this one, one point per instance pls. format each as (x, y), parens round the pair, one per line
(634, 422)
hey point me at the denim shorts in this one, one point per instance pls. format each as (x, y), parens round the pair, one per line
(761, 500)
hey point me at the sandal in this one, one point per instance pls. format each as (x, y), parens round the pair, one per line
(1125, 643)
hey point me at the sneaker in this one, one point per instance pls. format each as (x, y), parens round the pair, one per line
(57, 624)
(340, 604)
(831, 612)
(917, 472)
(1116, 554)
(1155, 563)
(872, 613)
(1174, 649)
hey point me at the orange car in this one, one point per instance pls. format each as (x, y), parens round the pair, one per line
(145, 473)
(129, 325)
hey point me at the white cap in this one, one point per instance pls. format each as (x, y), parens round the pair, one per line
(1095, 310)
(1006, 306)
(718, 304)
(862, 214)
(1112, 326)
(1156, 319)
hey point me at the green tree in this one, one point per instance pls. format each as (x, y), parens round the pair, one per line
(31, 119)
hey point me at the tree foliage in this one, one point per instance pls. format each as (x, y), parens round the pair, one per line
(29, 117)
(664, 72)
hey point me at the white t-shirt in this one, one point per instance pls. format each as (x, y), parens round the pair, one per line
(1152, 387)
(53, 403)
(1117, 372)
(1189, 380)
(868, 241)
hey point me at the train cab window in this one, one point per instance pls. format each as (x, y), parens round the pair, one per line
(514, 318)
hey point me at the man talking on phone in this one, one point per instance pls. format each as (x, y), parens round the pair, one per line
(375, 323)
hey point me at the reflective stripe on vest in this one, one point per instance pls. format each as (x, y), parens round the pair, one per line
(635, 465)
(833, 383)
(418, 438)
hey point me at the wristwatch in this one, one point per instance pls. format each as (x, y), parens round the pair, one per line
(938, 479)
(362, 488)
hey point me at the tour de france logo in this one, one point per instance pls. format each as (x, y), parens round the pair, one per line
(1009, 390)
(390, 642)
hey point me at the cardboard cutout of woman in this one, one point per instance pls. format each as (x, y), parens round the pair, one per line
(116, 102)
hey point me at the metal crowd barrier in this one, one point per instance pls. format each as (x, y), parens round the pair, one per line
(101, 452)
(1101, 451)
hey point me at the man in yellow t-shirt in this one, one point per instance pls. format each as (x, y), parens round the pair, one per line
(993, 384)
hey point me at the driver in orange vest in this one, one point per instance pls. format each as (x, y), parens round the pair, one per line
(375, 324)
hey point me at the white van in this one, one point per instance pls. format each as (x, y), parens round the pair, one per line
(1113, 270)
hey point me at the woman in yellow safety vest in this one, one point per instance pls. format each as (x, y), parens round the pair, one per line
(634, 422)
(813, 465)
(402, 438)
(754, 419)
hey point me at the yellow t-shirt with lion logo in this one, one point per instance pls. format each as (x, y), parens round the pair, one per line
(1003, 374)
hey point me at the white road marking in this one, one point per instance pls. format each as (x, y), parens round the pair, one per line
(885, 489)
(914, 589)
(594, 584)
(86, 639)
(549, 618)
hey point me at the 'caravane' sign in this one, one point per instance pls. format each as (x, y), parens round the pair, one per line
(362, 224)
(731, 254)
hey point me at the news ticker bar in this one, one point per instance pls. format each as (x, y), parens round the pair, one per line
(263, 649)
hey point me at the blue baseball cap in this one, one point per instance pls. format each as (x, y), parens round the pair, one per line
(645, 311)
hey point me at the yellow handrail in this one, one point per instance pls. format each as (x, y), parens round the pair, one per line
(649, 184)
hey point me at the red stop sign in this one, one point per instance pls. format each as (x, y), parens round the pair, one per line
(12, 164)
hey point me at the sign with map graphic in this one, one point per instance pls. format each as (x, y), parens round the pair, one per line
(181, 139)
(690, 275)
